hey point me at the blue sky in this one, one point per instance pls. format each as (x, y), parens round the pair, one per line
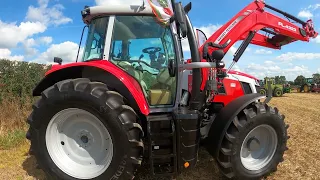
(38, 30)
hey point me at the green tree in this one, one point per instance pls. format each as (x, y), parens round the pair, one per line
(300, 80)
(277, 79)
(316, 77)
(19, 78)
(291, 82)
(282, 80)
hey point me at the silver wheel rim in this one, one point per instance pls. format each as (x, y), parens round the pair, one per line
(79, 144)
(258, 147)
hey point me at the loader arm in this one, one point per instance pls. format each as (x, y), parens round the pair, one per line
(254, 18)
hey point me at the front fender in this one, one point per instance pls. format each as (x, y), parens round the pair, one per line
(103, 71)
(224, 119)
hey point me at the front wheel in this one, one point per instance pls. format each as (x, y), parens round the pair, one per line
(81, 130)
(254, 143)
(263, 92)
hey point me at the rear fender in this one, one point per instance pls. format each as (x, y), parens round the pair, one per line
(224, 119)
(105, 72)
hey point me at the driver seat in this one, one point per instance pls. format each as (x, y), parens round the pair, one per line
(161, 92)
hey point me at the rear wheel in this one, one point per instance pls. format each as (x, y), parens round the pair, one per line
(81, 130)
(305, 88)
(254, 143)
(278, 92)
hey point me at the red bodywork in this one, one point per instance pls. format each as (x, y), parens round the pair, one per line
(315, 88)
(232, 87)
(254, 18)
(131, 83)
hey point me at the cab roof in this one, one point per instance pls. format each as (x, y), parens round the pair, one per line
(90, 13)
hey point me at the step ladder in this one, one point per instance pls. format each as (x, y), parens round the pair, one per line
(162, 145)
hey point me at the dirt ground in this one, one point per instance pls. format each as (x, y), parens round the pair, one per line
(302, 160)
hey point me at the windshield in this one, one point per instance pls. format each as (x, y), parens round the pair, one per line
(95, 39)
(143, 48)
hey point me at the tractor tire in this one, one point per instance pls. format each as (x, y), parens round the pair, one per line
(263, 92)
(81, 130)
(277, 92)
(242, 155)
(306, 88)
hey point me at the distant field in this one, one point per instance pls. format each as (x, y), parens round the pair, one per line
(301, 160)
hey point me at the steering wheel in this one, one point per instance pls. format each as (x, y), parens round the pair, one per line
(149, 50)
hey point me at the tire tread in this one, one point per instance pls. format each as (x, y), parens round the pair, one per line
(115, 106)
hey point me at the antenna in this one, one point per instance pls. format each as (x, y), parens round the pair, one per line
(143, 5)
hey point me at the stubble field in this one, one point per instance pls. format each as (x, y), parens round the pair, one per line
(301, 160)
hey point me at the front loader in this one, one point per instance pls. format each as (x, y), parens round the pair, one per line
(123, 102)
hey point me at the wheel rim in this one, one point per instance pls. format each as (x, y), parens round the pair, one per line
(278, 93)
(305, 88)
(79, 144)
(258, 147)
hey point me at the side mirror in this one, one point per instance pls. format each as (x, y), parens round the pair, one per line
(201, 37)
(57, 60)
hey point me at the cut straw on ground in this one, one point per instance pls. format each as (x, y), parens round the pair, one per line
(301, 160)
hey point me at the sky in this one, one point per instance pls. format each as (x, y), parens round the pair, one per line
(38, 30)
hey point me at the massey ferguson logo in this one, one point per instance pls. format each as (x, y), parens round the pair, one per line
(287, 26)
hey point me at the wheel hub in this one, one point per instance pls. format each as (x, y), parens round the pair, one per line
(253, 144)
(84, 139)
(258, 147)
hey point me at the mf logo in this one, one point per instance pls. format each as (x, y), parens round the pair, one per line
(287, 26)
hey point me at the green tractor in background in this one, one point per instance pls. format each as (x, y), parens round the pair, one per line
(309, 86)
(277, 89)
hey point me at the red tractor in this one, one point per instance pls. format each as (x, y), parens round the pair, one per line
(102, 117)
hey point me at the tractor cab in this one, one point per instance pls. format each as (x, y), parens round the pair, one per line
(310, 81)
(137, 43)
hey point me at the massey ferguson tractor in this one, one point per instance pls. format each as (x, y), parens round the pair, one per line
(126, 101)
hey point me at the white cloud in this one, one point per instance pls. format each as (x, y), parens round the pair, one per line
(314, 7)
(290, 56)
(37, 21)
(45, 40)
(236, 68)
(262, 51)
(269, 63)
(208, 31)
(259, 67)
(47, 15)
(308, 12)
(28, 47)
(316, 40)
(305, 14)
(6, 54)
(66, 50)
(263, 70)
(318, 70)
(12, 34)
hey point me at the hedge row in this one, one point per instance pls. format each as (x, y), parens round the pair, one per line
(18, 78)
